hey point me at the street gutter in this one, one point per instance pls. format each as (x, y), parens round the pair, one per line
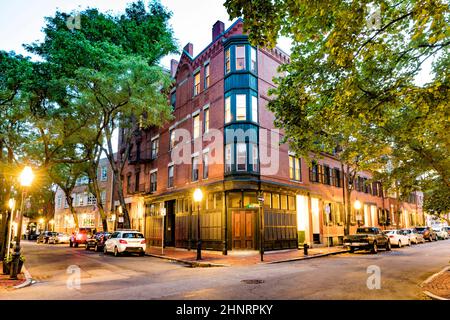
(319, 255)
(193, 264)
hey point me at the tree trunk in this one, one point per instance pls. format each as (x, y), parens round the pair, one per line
(72, 210)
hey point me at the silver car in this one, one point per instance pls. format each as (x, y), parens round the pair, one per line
(413, 235)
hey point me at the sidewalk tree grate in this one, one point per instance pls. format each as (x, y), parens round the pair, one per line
(252, 281)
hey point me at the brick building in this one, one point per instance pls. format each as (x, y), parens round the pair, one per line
(223, 140)
(85, 203)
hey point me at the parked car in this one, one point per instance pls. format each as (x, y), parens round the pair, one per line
(45, 236)
(367, 238)
(129, 241)
(427, 232)
(97, 241)
(441, 233)
(59, 237)
(80, 237)
(414, 236)
(33, 236)
(398, 238)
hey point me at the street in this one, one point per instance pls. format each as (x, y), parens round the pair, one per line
(342, 276)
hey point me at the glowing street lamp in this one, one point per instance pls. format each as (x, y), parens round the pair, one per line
(25, 178)
(198, 196)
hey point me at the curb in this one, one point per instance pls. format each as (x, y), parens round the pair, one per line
(319, 255)
(193, 264)
(429, 279)
(28, 281)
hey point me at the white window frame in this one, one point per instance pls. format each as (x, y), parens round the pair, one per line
(241, 107)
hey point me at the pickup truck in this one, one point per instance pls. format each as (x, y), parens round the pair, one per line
(367, 238)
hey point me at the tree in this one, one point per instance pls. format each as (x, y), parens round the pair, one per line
(353, 66)
(106, 70)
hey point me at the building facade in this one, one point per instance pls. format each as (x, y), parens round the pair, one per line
(85, 203)
(223, 140)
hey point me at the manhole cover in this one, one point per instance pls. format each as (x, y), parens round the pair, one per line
(252, 281)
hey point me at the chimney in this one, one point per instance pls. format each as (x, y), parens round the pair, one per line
(173, 67)
(217, 29)
(189, 48)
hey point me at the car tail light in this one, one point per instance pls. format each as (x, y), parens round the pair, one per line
(78, 236)
(122, 241)
(143, 242)
(391, 236)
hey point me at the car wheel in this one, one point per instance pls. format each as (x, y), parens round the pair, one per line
(96, 249)
(399, 244)
(388, 246)
(374, 248)
(352, 250)
(116, 252)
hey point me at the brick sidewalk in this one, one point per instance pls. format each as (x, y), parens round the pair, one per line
(440, 285)
(6, 283)
(239, 258)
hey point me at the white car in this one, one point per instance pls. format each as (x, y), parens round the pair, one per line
(441, 232)
(397, 238)
(125, 241)
(413, 236)
(59, 237)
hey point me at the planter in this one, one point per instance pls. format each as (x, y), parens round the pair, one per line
(7, 267)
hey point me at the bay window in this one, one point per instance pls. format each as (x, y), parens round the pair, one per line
(254, 109)
(240, 57)
(227, 109)
(241, 161)
(241, 107)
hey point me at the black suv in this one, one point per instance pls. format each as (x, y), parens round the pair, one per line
(97, 241)
(44, 236)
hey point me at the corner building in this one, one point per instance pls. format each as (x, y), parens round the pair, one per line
(229, 148)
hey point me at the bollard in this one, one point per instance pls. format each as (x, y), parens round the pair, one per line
(305, 249)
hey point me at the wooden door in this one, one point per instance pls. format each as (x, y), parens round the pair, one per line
(243, 229)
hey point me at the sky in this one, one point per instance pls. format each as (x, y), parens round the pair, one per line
(21, 21)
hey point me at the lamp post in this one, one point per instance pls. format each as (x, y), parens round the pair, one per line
(357, 206)
(12, 206)
(198, 196)
(26, 178)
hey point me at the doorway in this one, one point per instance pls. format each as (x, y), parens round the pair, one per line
(243, 230)
(169, 224)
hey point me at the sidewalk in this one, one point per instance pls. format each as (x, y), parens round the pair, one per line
(6, 283)
(438, 285)
(239, 258)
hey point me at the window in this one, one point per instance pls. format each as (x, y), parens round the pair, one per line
(227, 109)
(227, 61)
(254, 109)
(314, 173)
(103, 197)
(267, 199)
(170, 175)
(337, 178)
(129, 183)
(172, 139)
(240, 57)
(155, 147)
(195, 168)
(104, 173)
(66, 205)
(291, 201)
(241, 149)
(80, 200)
(284, 202)
(206, 120)
(91, 199)
(173, 99)
(59, 201)
(275, 201)
(205, 165)
(253, 62)
(294, 168)
(196, 126)
(228, 158)
(241, 107)
(255, 159)
(327, 175)
(207, 76)
(153, 181)
(197, 83)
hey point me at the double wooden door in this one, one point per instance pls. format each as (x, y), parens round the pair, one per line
(243, 229)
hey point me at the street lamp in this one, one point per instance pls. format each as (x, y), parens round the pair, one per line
(198, 196)
(357, 206)
(12, 206)
(26, 178)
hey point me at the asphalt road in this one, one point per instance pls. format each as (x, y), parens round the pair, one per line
(131, 277)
